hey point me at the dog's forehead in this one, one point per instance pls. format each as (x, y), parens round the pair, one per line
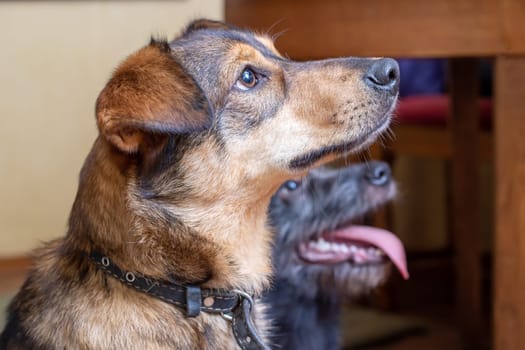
(268, 43)
(220, 40)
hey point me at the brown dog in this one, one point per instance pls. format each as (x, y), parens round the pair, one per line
(195, 137)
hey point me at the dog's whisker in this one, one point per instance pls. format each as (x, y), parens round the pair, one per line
(391, 134)
(279, 34)
(272, 27)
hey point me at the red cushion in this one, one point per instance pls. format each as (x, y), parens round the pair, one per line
(434, 110)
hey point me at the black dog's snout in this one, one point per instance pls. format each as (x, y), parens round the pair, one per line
(384, 75)
(378, 174)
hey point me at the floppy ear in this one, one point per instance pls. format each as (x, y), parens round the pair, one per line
(150, 94)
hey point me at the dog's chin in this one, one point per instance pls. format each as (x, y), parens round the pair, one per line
(354, 281)
(372, 137)
(344, 279)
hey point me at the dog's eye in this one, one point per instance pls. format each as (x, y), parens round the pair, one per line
(247, 80)
(292, 185)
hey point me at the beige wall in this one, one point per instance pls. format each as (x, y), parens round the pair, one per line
(55, 58)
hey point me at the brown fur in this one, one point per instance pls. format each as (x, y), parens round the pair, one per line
(178, 182)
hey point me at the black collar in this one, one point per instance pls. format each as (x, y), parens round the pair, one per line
(234, 306)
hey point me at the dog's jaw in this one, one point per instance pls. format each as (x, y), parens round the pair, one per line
(334, 151)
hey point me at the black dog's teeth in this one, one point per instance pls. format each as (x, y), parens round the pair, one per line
(357, 251)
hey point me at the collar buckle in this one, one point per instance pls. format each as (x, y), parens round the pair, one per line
(228, 316)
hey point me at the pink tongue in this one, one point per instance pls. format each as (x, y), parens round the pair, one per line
(382, 239)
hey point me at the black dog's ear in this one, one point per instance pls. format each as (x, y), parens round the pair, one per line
(204, 23)
(149, 95)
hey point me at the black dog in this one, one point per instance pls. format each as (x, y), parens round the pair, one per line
(321, 255)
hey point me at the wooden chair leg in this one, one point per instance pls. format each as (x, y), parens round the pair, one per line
(465, 199)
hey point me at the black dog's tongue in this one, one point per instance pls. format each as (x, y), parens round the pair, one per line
(389, 243)
(356, 243)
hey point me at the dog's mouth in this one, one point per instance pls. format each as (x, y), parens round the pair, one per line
(357, 244)
(309, 159)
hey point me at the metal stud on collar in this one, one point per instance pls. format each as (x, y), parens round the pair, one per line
(130, 277)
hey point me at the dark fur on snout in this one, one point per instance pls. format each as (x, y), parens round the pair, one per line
(305, 299)
(195, 135)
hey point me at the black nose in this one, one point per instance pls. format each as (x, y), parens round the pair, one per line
(378, 173)
(384, 75)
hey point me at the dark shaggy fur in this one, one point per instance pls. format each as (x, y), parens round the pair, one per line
(305, 299)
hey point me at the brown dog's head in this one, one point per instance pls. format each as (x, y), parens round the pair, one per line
(294, 114)
(235, 84)
(208, 126)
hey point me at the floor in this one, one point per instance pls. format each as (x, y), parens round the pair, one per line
(439, 335)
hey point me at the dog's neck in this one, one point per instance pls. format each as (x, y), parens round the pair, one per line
(216, 237)
(227, 205)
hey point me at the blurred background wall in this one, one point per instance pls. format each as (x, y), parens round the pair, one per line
(56, 57)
